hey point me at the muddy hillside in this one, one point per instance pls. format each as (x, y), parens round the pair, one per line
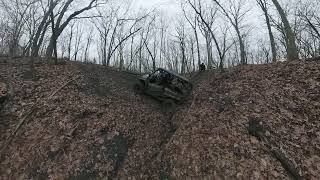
(84, 121)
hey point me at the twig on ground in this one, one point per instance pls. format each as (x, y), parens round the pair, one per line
(29, 113)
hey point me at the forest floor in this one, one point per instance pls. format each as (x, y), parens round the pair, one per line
(83, 121)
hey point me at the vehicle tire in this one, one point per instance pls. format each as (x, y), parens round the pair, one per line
(138, 88)
(169, 106)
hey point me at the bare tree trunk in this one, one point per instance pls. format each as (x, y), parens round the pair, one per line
(55, 40)
(107, 63)
(86, 52)
(183, 65)
(121, 65)
(140, 53)
(292, 51)
(77, 43)
(154, 56)
(70, 41)
(38, 38)
(198, 46)
(272, 41)
(263, 5)
(235, 18)
(104, 59)
(193, 56)
(182, 41)
(161, 45)
(131, 51)
(194, 25)
(209, 49)
(60, 27)
(243, 55)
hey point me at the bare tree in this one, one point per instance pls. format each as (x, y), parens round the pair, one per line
(105, 24)
(292, 51)
(31, 21)
(194, 24)
(88, 44)
(42, 26)
(77, 43)
(60, 25)
(310, 17)
(236, 14)
(221, 47)
(207, 28)
(264, 6)
(152, 53)
(182, 42)
(124, 38)
(16, 11)
(110, 28)
(54, 42)
(70, 40)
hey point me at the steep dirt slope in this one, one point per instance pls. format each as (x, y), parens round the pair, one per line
(95, 127)
(213, 140)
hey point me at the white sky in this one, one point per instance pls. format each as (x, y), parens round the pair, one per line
(154, 3)
(171, 11)
(168, 6)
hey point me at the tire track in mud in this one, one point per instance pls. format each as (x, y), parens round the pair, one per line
(174, 124)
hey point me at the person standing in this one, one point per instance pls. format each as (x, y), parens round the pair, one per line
(202, 67)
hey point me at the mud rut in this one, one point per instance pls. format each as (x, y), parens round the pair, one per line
(174, 122)
(119, 146)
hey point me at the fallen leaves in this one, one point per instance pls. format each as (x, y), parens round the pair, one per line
(97, 127)
(284, 95)
(3, 92)
(81, 121)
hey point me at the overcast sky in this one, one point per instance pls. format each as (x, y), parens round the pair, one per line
(155, 3)
(171, 7)
(171, 11)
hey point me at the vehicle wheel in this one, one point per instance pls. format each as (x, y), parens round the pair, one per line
(169, 106)
(138, 88)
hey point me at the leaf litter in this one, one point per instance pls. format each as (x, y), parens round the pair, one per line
(96, 127)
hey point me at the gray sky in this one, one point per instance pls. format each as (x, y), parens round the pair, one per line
(171, 7)
(171, 11)
(155, 3)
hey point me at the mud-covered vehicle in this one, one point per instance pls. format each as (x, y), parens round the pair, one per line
(166, 86)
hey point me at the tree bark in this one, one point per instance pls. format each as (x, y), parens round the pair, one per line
(243, 54)
(54, 41)
(292, 51)
(38, 38)
(209, 50)
(263, 5)
(70, 42)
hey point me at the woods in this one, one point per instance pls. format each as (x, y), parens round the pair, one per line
(159, 89)
(221, 34)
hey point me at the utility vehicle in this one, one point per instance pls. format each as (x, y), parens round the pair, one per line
(168, 87)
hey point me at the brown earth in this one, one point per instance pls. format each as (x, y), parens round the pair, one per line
(213, 140)
(96, 127)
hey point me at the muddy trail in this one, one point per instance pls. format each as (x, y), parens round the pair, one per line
(83, 121)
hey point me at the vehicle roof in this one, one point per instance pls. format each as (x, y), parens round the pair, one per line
(175, 74)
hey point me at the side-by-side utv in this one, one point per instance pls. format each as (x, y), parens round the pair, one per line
(168, 87)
